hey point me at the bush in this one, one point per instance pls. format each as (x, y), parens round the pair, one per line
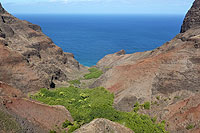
(136, 107)
(137, 104)
(147, 105)
(66, 124)
(158, 97)
(190, 126)
(177, 97)
(154, 119)
(52, 131)
(94, 73)
(88, 104)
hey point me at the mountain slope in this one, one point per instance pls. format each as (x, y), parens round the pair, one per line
(163, 76)
(42, 63)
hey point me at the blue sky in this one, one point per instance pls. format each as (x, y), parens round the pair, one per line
(97, 6)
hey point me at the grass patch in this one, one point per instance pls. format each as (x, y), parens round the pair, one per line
(8, 124)
(190, 126)
(88, 104)
(94, 73)
(75, 82)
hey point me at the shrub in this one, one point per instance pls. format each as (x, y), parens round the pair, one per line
(158, 97)
(98, 104)
(190, 126)
(66, 124)
(147, 105)
(136, 107)
(163, 121)
(177, 97)
(84, 96)
(137, 104)
(154, 119)
(52, 131)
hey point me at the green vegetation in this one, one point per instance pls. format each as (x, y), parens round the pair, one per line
(158, 97)
(107, 67)
(177, 97)
(8, 124)
(190, 126)
(75, 82)
(147, 105)
(66, 124)
(136, 107)
(94, 73)
(88, 104)
(52, 131)
(154, 119)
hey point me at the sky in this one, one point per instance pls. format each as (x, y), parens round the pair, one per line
(97, 6)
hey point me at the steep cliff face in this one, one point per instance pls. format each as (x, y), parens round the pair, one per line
(38, 63)
(192, 18)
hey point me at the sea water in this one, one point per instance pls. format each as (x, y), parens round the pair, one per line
(91, 37)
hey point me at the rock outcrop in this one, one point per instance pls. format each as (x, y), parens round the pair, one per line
(103, 126)
(29, 59)
(192, 19)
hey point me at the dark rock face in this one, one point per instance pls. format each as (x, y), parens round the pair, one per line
(192, 18)
(2, 10)
(39, 62)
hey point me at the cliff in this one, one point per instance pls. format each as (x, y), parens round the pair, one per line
(164, 76)
(192, 19)
(29, 59)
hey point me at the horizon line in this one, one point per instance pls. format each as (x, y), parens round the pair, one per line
(99, 14)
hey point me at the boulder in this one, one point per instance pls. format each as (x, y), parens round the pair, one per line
(103, 126)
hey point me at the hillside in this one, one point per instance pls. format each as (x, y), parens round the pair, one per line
(152, 91)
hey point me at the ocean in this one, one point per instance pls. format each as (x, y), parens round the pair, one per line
(91, 37)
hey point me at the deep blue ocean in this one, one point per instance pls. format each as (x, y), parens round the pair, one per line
(91, 37)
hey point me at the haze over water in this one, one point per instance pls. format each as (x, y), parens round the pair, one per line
(91, 37)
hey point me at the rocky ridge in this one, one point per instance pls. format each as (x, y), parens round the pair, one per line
(29, 61)
(36, 62)
(192, 18)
